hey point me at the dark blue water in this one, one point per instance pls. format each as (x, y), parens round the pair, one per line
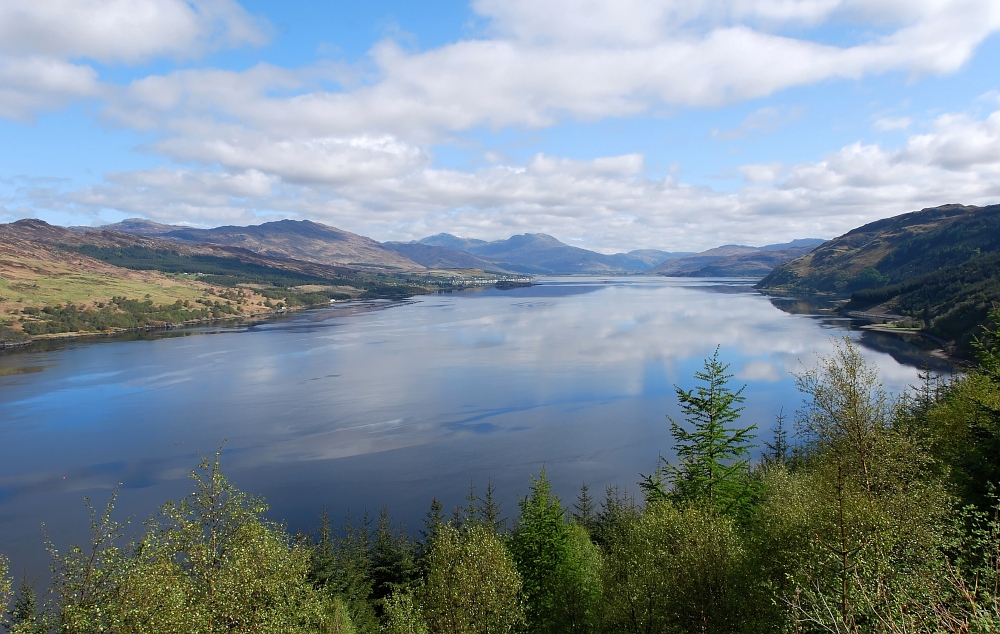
(364, 405)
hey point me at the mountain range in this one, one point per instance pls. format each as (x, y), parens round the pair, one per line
(302, 240)
(539, 253)
(936, 269)
(529, 253)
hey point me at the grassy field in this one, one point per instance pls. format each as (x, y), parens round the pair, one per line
(42, 277)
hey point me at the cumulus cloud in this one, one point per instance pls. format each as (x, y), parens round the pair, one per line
(609, 200)
(760, 172)
(544, 62)
(124, 31)
(45, 46)
(277, 142)
(29, 84)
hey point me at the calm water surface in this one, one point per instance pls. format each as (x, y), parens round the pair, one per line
(363, 405)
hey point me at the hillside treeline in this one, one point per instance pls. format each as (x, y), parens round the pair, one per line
(939, 268)
(874, 513)
(951, 302)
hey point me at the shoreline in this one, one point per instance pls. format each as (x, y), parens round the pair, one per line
(69, 336)
(81, 334)
(261, 315)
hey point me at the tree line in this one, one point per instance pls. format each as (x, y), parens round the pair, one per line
(870, 513)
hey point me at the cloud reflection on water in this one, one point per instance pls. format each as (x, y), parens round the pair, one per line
(341, 406)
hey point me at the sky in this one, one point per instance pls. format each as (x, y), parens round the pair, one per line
(610, 124)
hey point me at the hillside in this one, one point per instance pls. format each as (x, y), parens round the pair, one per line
(55, 280)
(893, 250)
(733, 260)
(102, 238)
(302, 240)
(938, 268)
(45, 290)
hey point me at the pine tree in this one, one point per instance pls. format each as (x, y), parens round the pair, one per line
(433, 522)
(470, 515)
(583, 509)
(540, 548)
(777, 450)
(24, 613)
(489, 511)
(393, 559)
(713, 455)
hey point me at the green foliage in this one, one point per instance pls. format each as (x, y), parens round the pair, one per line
(952, 302)
(618, 509)
(539, 546)
(488, 510)
(961, 421)
(847, 411)
(584, 509)
(393, 559)
(714, 456)
(842, 558)
(675, 570)
(402, 614)
(557, 562)
(5, 587)
(24, 615)
(9, 336)
(342, 567)
(472, 583)
(209, 563)
(214, 269)
(120, 313)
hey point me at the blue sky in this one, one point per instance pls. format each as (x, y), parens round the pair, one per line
(611, 124)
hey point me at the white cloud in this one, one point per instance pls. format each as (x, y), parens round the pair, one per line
(608, 199)
(124, 31)
(888, 124)
(761, 173)
(546, 62)
(269, 141)
(29, 84)
(44, 44)
(329, 160)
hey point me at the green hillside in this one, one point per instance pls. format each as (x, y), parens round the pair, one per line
(951, 302)
(893, 250)
(940, 267)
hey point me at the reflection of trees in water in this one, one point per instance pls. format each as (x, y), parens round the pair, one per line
(905, 348)
(805, 304)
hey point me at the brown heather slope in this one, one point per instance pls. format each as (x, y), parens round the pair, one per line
(41, 232)
(35, 275)
(302, 240)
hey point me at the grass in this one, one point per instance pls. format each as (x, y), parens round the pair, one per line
(35, 283)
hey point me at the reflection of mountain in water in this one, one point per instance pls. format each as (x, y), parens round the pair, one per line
(905, 348)
(726, 288)
(544, 289)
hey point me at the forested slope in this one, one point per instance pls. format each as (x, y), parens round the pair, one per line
(939, 267)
